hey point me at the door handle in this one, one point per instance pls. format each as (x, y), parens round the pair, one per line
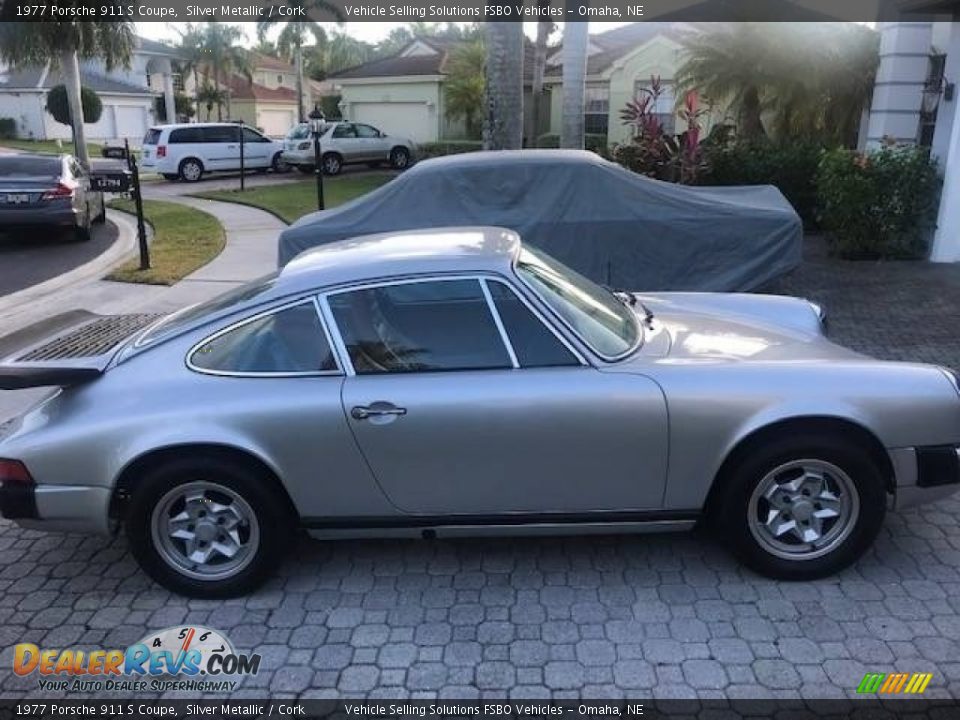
(362, 412)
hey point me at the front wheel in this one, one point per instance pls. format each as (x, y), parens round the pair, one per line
(332, 164)
(803, 507)
(399, 158)
(208, 528)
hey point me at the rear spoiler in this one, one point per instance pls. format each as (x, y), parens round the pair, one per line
(69, 349)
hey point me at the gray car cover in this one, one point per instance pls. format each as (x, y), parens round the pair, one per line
(614, 226)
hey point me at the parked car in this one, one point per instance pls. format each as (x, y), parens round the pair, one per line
(187, 151)
(456, 381)
(48, 191)
(345, 143)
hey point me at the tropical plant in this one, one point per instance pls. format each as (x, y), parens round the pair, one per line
(208, 96)
(544, 28)
(337, 52)
(294, 33)
(878, 205)
(503, 119)
(225, 59)
(194, 59)
(63, 43)
(465, 86)
(58, 105)
(774, 85)
(574, 58)
(182, 104)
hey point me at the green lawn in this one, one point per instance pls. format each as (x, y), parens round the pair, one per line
(289, 201)
(184, 240)
(49, 147)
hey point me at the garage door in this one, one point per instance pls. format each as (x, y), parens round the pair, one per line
(407, 120)
(276, 123)
(131, 122)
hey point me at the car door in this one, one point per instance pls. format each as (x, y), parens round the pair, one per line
(221, 147)
(344, 141)
(371, 142)
(454, 419)
(257, 149)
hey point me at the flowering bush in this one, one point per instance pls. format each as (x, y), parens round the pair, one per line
(878, 205)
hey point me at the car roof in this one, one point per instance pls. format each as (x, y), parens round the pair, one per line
(444, 250)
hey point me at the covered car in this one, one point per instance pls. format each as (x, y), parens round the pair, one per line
(612, 225)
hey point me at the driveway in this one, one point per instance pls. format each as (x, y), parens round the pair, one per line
(671, 616)
(29, 258)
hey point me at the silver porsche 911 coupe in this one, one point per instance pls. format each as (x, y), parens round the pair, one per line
(454, 381)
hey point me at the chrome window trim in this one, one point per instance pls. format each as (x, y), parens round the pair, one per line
(543, 321)
(606, 358)
(338, 336)
(253, 318)
(499, 323)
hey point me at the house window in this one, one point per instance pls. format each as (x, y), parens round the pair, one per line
(177, 83)
(665, 107)
(279, 79)
(596, 109)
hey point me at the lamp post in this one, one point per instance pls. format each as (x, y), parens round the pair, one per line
(316, 129)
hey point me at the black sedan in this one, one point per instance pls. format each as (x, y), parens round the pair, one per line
(50, 191)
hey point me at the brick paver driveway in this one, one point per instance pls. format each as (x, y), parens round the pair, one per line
(595, 617)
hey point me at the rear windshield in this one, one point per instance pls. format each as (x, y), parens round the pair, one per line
(152, 137)
(18, 165)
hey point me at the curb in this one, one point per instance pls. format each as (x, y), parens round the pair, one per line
(125, 245)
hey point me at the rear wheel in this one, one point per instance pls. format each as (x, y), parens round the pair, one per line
(803, 507)
(81, 232)
(101, 216)
(208, 527)
(191, 170)
(332, 164)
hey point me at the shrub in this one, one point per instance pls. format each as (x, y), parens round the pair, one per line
(183, 104)
(8, 128)
(59, 107)
(791, 167)
(447, 147)
(878, 205)
(591, 141)
(330, 107)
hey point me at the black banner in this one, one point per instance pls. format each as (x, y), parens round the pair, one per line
(478, 10)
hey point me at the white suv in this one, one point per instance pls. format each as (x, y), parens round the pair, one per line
(186, 152)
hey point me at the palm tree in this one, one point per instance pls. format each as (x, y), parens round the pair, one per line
(225, 58)
(194, 60)
(544, 28)
(465, 85)
(64, 43)
(294, 33)
(574, 81)
(503, 121)
(339, 52)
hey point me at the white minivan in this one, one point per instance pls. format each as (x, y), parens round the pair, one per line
(185, 152)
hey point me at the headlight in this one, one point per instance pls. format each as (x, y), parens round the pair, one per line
(303, 146)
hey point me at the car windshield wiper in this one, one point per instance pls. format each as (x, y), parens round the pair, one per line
(630, 300)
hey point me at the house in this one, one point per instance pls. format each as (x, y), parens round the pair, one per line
(128, 95)
(403, 94)
(915, 101)
(269, 100)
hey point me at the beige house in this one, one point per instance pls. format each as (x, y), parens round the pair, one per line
(269, 100)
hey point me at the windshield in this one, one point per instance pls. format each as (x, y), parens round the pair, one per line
(602, 321)
(188, 315)
(14, 165)
(299, 132)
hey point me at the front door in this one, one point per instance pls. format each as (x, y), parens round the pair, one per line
(454, 418)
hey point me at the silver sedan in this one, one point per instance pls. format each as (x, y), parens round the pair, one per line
(455, 381)
(344, 143)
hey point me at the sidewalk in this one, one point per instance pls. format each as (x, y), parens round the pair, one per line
(250, 252)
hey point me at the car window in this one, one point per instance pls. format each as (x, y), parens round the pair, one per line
(252, 136)
(25, 165)
(186, 135)
(419, 327)
(367, 131)
(287, 341)
(152, 137)
(595, 314)
(221, 134)
(344, 130)
(533, 342)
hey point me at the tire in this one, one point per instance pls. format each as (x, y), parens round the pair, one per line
(101, 216)
(332, 164)
(191, 170)
(306, 169)
(81, 233)
(171, 177)
(278, 165)
(261, 519)
(399, 158)
(846, 469)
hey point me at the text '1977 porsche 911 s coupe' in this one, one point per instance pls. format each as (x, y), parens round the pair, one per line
(456, 381)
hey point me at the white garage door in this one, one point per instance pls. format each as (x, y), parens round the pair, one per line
(131, 122)
(406, 120)
(276, 123)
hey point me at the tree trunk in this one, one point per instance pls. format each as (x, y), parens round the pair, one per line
(536, 88)
(503, 120)
(574, 78)
(300, 115)
(70, 68)
(750, 115)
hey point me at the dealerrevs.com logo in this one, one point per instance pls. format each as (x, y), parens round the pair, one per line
(191, 658)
